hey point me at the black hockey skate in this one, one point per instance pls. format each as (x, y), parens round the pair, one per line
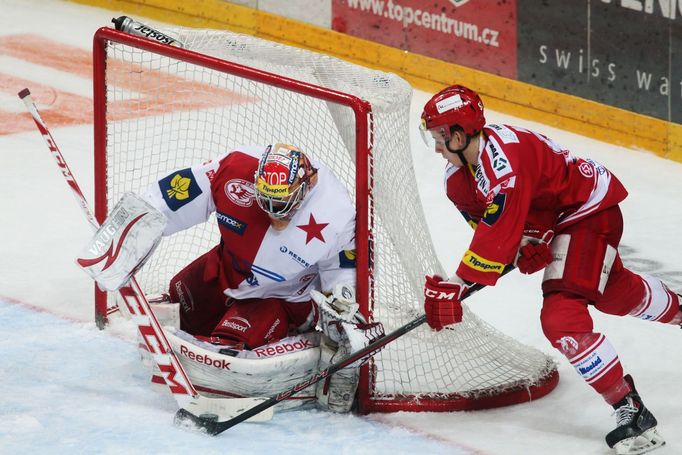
(636, 426)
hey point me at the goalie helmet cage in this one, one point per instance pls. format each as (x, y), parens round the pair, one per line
(159, 108)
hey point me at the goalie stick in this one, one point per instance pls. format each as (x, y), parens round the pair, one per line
(214, 427)
(188, 399)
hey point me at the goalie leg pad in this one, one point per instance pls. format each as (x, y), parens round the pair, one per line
(345, 332)
(123, 243)
(337, 392)
(262, 372)
(166, 312)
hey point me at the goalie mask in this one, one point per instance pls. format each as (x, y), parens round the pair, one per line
(282, 180)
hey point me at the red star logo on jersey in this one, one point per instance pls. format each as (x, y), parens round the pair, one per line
(313, 229)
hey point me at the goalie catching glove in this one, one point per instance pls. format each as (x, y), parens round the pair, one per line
(345, 331)
(123, 243)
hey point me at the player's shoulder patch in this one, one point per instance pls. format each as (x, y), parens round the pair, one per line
(179, 188)
(230, 222)
(498, 159)
(506, 134)
(494, 209)
(347, 259)
(469, 219)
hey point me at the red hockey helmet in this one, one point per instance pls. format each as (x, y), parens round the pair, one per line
(453, 106)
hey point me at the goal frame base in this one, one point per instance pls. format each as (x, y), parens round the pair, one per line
(485, 399)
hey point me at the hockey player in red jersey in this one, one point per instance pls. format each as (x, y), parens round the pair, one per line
(535, 205)
(284, 263)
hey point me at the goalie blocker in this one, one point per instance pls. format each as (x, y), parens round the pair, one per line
(123, 243)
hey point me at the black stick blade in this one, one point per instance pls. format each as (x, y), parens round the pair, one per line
(205, 423)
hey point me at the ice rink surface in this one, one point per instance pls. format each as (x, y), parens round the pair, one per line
(70, 388)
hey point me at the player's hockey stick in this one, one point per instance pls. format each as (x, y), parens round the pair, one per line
(171, 369)
(214, 427)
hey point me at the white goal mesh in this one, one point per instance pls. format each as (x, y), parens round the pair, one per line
(162, 113)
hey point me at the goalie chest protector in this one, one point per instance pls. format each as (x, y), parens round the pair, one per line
(259, 261)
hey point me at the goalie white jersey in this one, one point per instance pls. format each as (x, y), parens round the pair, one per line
(314, 251)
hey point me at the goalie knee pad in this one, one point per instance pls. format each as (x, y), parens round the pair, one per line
(337, 392)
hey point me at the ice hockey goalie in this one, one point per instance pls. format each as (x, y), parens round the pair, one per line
(242, 317)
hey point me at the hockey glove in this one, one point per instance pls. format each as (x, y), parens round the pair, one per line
(123, 243)
(343, 324)
(346, 332)
(442, 301)
(534, 252)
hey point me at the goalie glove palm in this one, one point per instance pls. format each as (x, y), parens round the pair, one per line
(343, 324)
(339, 305)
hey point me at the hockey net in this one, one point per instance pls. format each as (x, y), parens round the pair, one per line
(159, 108)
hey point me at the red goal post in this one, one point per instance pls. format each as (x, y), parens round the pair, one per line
(362, 110)
(160, 108)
